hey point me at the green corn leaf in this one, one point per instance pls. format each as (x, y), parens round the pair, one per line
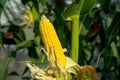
(114, 28)
(3, 68)
(73, 10)
(87, 6)
(2, 3)
(24, 44)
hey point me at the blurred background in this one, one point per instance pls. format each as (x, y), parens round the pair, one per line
(99, 36)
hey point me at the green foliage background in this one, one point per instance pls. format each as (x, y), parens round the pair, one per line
(99, 34)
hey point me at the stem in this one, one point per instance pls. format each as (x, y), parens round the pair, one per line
(75, 33)
(75, 39)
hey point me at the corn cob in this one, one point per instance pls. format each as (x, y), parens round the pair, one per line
(50, 39)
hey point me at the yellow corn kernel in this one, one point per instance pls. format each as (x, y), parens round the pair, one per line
(50, 39)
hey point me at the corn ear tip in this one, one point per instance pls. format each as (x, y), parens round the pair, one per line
(43, 17)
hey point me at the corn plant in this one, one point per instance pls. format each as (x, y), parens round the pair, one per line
(65, 39)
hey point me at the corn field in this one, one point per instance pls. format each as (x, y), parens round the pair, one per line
(59, 39)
